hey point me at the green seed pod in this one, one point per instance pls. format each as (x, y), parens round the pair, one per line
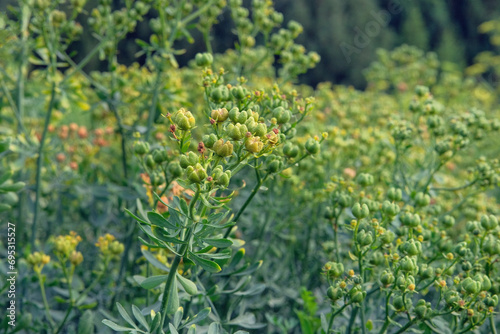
(484, 281)
(290, 150)
(422, 199)
(238, 116)
(491, 301)
(150, 162)
(411, 247)
(274, 166)
(174, 169)
(157, 179)
(408, 264)
(329, 213)
(160, 156)
(344, 200)
(203, 59)
(364, 239)
(189, 159)
(209, 140)
(390, 209)
(236, 131)
(398, 303)
(223, 149)
(395, 195)
(141, 147)
(224, 179)
(388, 237)
(421, 91)
(471, 286)
(411, 220)
(448, 221)
(360, 211)
(445, 245)
(461, 249)
(239, 92)
(57, 18)
(451, 297)
(219, 115)
(254, 144)
(365, 179)
(386, 278)
(220, 93)
(357, 294)
(466, 266)
(377, 258)
(472, 226)
(196, 174)
(491, 246)
(260, 130)
(489, 222)
(282, 115)
(334, 293)
(333, 269)
(426, 271)
(184, 119)
(312, 146)
(422, 309)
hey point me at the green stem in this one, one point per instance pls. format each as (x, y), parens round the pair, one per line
(176, 262)
(39, 163)
(405, 327)
(330, 323)
(247, 202)
(492, 325)
(45, 303)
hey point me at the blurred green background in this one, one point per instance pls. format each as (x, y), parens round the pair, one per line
(336, 28)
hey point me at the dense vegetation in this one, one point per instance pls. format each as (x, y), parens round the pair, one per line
(224, 197)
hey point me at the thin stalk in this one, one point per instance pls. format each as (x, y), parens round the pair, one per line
(492, 325)
(175, 264)
(39, 163)
(45, 303)
(247, 202)
(405, 327)
(330, 323)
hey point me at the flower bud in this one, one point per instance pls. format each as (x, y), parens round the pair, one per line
(196, 174)
(238, 116)
(426, 271)
(312, 146)
(451, 297)
(360, 211)
(387, 237)
(484, 280)
(398, 303)
(491, 301)
(75, 258)
(157, 179)
(422, 309)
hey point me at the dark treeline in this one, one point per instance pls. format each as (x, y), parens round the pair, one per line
(347, 33)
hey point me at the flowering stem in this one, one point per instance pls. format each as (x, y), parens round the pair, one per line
(44, 298)
(39, 163)
(177, 260)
